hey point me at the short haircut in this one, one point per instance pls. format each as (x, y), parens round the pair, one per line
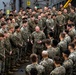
(33, 57)
(4, 14)
(74, 42)
(71, 19)
(67, 53)
(72, 45)
(69, 25)
(28, 8)
(1, 16)
(51, 34)
(57, 60)
(8, 19)
(32, 16)
(74, 37)
(49, 14)
(1, 35)
(67, 31)
(47, 41)
(62, 35)
(73, 24)
(73, 8)
(10, 14)
(24, 21)
(16, 27)
(54, 42)
(54, 15)
(44, 53)
(3, 23)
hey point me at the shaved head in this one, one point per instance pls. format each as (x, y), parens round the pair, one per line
(37, 28)
(44, 53)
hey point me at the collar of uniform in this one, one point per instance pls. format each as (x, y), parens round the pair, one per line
(46, 58)
(72, 51)
(51, 38)
(66, 59)
(58, 65)
(35, 63)
(49, 47)
(62, 40)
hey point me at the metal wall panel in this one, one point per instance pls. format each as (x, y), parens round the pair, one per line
(7, 3)
(30, 3)
(41, 3)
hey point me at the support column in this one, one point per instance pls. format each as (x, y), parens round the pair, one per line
(17, 5)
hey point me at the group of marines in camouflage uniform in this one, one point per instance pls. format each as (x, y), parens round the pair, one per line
(49, 34)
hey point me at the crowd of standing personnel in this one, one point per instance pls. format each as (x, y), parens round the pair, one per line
(48, 35)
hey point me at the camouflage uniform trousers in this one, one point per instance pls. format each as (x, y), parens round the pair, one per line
(38, 51)
(2, 66)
